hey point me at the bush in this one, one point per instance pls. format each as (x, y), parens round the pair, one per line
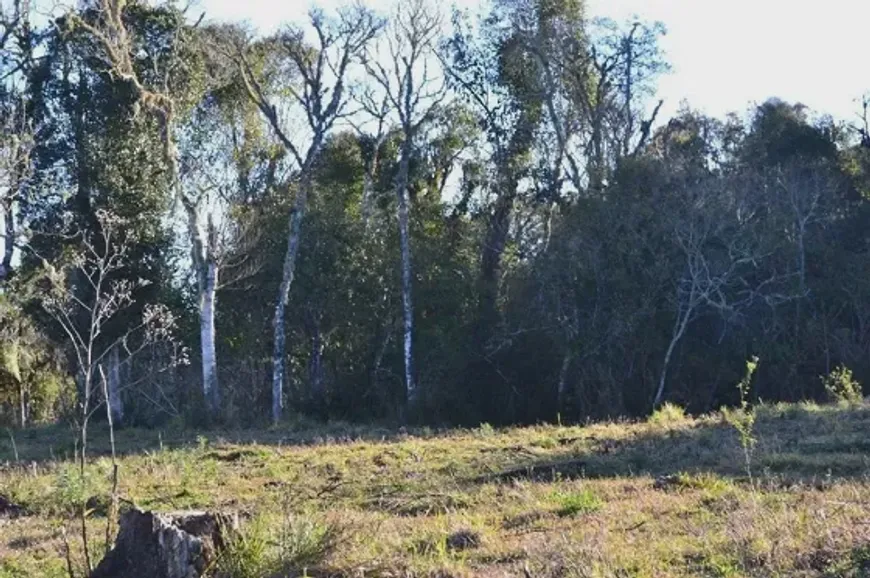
(573, 503)
(485, 430)
(841, 387)
(668, 414)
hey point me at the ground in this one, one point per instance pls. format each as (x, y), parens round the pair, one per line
(670, 496)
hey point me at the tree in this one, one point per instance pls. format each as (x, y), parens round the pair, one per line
(83, 295)
(16, 122)
(163, 97)
(322, 98)
(723, 246)
(414, 93)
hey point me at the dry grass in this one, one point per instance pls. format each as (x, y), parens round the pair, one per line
(667, 498)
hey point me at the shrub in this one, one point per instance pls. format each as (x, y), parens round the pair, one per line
(841, 386)
(668, 414)
(485, 430)
(573, 503)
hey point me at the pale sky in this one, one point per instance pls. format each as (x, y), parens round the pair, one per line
(725, 54)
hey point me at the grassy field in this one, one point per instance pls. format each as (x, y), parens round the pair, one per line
(666, 497)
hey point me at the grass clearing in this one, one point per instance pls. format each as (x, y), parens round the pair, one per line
(666, 498)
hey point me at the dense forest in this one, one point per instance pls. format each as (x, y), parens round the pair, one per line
(422, 216)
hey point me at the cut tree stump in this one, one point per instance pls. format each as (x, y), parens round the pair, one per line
(166, 545)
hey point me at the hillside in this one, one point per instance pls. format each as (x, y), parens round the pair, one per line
(667, 497)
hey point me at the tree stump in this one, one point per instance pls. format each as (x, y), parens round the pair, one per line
(166, 545)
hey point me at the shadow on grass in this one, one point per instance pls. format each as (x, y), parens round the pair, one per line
(794, 444)
(60, 442)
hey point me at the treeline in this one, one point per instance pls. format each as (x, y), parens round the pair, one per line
(409, 216)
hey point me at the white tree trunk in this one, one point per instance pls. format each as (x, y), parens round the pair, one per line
(315, 364)
(279, 337)
(407, 273)
(563, 379)
(8, 238)
(113, 387)
(368, 195)
(208, 299)
(204, 252)
(22, 400)
(680, 325)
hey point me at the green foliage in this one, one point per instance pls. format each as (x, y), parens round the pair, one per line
(73, 488)
(541, 289)
(484, 430)
(576, 502)
(32, 377)
(841, 386)
(669, 414)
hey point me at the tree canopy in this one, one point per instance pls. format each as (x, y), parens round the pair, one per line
(409, 216)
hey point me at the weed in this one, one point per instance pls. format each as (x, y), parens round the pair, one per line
(249, 553)
(306, 542)
(842, 387)
(485, 430)
(546, 443)
(573, 503)
(668, 414)
(743, 419)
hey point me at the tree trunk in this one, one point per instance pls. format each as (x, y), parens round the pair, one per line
(175, 545)
(22, 400)
(204, 248)
(679, 329)
(563, 379)
(208, 337)
(8, 240)
(295, 231)
(113, 387)
(371, 171)
(407, 271)
(315, 360)
(491, 257)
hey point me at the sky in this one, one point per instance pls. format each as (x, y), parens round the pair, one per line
(725, 54)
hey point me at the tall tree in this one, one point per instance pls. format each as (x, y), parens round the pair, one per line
(414, 92)
(162, 94)
(17, 128)
(318, 88)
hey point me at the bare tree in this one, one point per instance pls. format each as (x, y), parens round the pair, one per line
(379, 111)
(595, 87)
(414, 92)
(86, 294)
(321, 94)
(722, 246)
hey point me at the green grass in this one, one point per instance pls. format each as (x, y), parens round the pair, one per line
(577, 502)
(664, 498)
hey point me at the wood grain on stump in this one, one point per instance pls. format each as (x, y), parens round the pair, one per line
(166, 545)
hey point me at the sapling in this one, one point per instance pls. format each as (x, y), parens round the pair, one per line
(744, 420)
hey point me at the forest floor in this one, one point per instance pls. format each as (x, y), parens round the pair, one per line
(667, 497)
